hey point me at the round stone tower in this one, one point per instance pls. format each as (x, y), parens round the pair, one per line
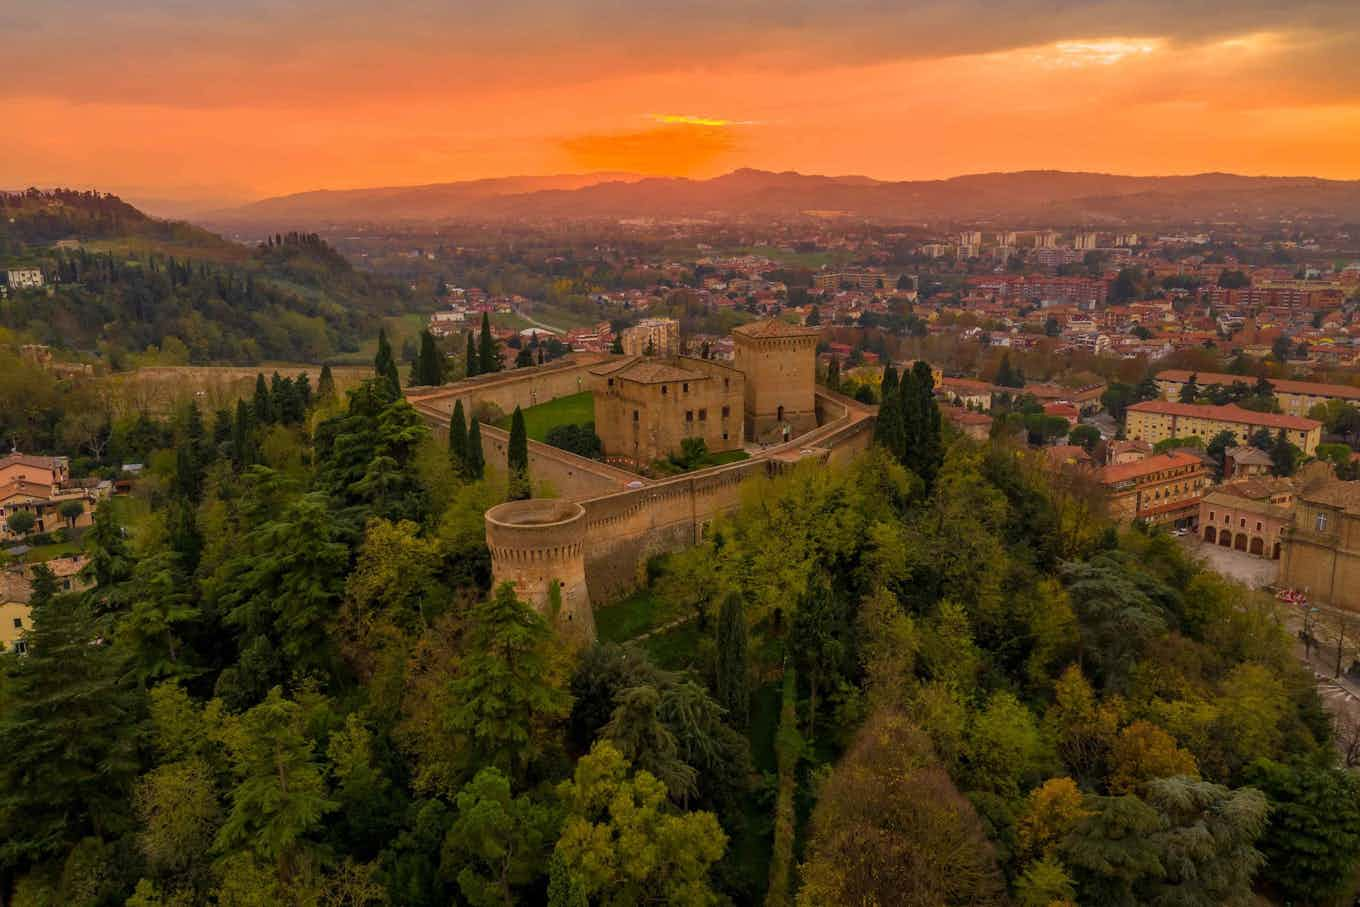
(538, 546)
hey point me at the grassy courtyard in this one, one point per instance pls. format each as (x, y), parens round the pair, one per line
(576, 409)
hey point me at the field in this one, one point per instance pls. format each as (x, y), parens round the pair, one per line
(159, 389)
(575, 409)
(400, 328)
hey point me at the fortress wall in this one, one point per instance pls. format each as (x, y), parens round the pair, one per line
(627, 528)
(538, 546)
(570, 476)
(524, 387)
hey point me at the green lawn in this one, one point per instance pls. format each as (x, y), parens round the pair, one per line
(575, 409)
(728, 456)
(47, 552)
(632, 616)
(676, 649)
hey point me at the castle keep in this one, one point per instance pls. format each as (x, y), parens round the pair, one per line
(591, 543)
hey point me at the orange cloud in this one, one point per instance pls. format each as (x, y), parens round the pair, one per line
(681, 146)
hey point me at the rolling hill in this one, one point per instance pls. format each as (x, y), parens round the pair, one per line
(1046, 196)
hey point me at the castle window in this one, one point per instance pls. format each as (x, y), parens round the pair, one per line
(1321, 522)
(726, 411)
(685, 387)
(703, 415)
(663, 390)
(611, 382)
(635, 415)
(689, 415)
(724, 436)
(727, 383)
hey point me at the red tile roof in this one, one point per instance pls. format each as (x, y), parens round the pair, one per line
(1313, 388)
(1123, 471)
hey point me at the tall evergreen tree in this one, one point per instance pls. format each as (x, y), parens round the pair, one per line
(734, 692)
(488, 358)
(385, 365)
(429, 365)
(890, 383)
(517, 457)
(476, 457)
(68, 737)
(458, 440)
(833, 374)
(617, 346)
(889, 432)
(325, 385)
(470, 358)
(264, 406)
(243, 452)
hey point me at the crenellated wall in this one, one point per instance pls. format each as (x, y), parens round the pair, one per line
(596, 538)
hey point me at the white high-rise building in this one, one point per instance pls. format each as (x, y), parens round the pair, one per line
(1085, 242)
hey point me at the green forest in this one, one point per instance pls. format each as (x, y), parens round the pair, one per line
(932, 676)
(130, 285)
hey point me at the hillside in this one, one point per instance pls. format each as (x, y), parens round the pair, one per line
(402, 202)
(1048, 197)
(120, 283)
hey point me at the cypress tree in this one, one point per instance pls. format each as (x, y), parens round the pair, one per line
(617, 345)
(517, 457)
(890, 382)
(488, 361)
(325, 385)
(833, 372)
(734, 692)
(471, 360)
(458, 441)
(264, 407)
(303, 386)
(889, 432)
(476, 457)
(429, 368)
(242, 446)
(385, 365)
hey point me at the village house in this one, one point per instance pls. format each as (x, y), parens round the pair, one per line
(1162, 489)
(1157, 420)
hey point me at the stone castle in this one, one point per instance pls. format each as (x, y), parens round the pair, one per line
(591, 542)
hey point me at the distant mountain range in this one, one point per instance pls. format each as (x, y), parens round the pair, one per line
(1039, 196)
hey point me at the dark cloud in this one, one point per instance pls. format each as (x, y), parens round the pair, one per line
(205, 52)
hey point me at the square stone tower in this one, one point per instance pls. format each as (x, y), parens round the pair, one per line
(779, 361)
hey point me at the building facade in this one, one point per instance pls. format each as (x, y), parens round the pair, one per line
(646, 408)
(1163, 489)
(1321, 550)
(652, 337)
(1249, 515)
(779, 363)
(1157, 420)
(24, 278)
(1296, 397)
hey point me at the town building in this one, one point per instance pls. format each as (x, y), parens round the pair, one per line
(970, 423)
(1246, 462)
(1249, 515)
(1162, 489)
(16, 595)
(652, 337)
(1321, 547)
(1157, 420)
(43, 487)
(1296, 397)
(778, 361)
(1086, 242)
(646, 407)
(24, 278)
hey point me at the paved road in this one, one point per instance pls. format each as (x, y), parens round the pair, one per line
(539, 324)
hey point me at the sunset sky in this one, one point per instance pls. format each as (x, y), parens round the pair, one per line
(221, 102)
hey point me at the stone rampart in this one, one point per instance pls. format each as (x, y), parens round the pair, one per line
(539, 546)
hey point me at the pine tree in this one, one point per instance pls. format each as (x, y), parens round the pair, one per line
(488, 360)
(385, 365)
(68, 737)
(458, 440)
(325, 385)
(734, 693)
(470, 358)
(476, 457)
(517, 457)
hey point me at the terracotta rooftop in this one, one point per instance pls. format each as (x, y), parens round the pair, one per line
(19, 459)
(1314, 388)
(1229, 413)
(1123, 471)
(645, 371)
(1345, 495)
(771, 328)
